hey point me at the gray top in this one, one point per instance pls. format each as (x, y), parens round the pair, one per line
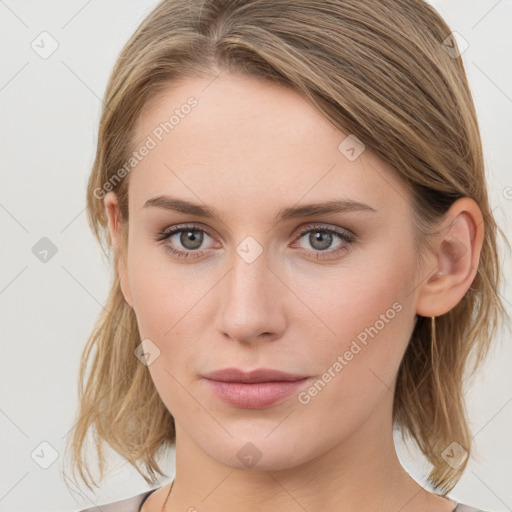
(135, 503)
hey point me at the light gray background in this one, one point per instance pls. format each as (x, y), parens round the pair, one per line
(50, 113)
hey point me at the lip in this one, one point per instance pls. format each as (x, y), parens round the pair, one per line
(255, 389)
(254, 376)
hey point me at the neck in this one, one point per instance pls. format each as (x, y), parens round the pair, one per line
(362, 472)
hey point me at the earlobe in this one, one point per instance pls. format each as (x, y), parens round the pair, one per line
(457, 255)
(115, 229)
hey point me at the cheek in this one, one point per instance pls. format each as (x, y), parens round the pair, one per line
(353, 299)
(165, 306)
(158, 290)
(169, 306)
(359, 364)
(370, 317)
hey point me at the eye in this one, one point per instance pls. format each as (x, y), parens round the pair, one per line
(189, 237)
(321, 238)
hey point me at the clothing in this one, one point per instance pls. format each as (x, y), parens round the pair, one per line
(135, 503)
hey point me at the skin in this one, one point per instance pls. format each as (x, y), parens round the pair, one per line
(248, 149)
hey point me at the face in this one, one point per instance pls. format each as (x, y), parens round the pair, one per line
(265, 282)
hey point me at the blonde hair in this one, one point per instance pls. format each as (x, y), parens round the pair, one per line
(378, 69)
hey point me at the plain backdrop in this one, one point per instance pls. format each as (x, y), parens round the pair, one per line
(50, 111)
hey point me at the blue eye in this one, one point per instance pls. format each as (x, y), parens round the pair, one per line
(320, 238)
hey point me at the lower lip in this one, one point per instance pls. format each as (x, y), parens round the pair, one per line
(254, 396)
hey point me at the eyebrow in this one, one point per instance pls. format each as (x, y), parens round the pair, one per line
(332, 206)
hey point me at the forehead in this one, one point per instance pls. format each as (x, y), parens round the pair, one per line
(256, 143)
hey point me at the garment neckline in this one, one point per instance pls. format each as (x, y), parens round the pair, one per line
(146, 495)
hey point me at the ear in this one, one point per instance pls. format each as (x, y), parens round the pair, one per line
(455, 261)
(120, 248)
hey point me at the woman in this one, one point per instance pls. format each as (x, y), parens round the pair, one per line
(304, 256)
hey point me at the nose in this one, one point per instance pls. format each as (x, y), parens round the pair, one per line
(251, 302)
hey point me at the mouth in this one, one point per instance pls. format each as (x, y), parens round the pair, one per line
(256, 389)
(252, 377)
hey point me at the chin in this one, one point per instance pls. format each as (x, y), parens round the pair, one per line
(257, 453)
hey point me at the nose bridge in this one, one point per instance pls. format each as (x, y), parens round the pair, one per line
(249, 279)
(249, 300)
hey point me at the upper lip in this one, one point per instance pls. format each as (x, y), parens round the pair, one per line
(254, 376)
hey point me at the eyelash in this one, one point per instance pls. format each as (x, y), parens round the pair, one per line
(345, 237)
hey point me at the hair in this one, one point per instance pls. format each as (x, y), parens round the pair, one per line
(378, 69)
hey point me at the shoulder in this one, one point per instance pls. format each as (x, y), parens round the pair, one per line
(132, 504)
(461, 507)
